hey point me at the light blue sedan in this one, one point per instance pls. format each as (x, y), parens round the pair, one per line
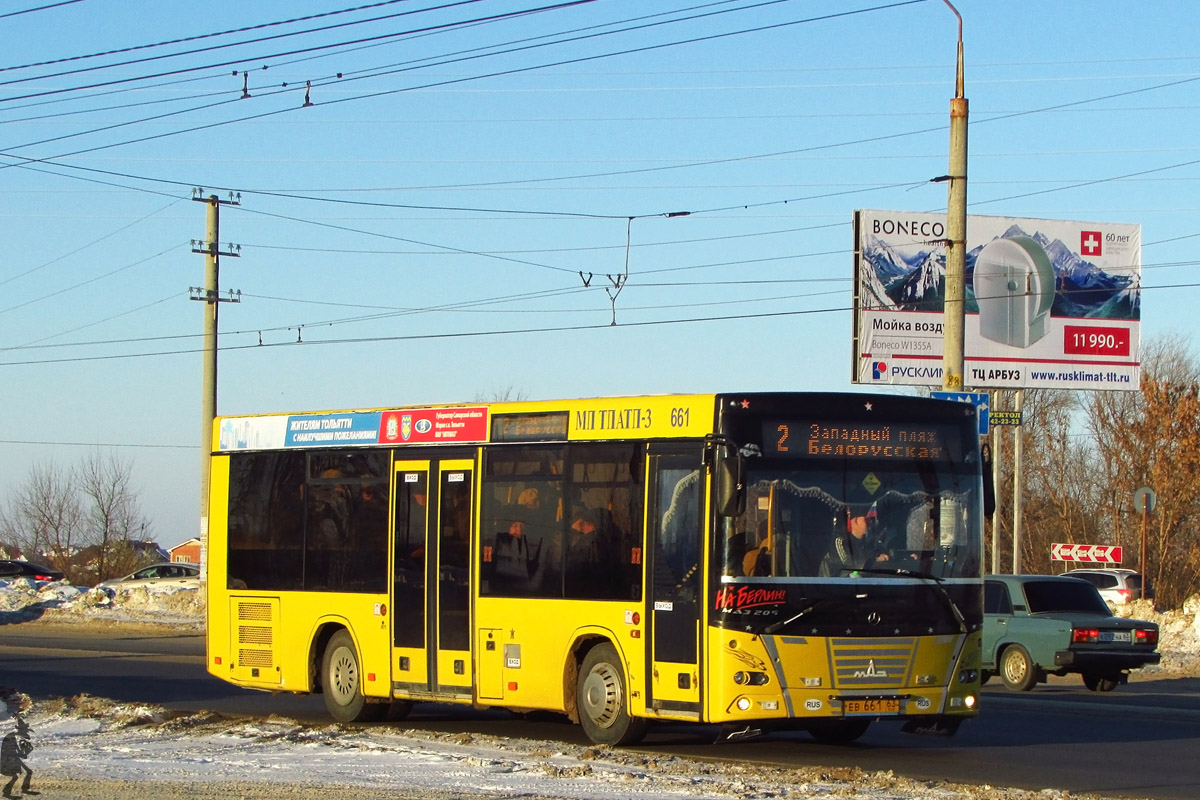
(1039, 625)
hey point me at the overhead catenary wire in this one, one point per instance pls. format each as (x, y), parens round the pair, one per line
(47, 7)
(243, 60)
(185, 39)
(493, 74)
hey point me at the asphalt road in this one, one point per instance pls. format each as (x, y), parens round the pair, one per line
(1139, 740)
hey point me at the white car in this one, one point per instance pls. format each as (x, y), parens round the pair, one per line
(166, 574)
(1117, 586)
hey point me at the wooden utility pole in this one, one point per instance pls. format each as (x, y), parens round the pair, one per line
(211, 298)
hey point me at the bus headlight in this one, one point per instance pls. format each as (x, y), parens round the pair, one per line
(750, 678)
(743, 704)
(968, 676)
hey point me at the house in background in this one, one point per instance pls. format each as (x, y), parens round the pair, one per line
(186, 552)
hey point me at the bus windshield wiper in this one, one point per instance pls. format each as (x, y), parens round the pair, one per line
(925, 576)
(779, 625)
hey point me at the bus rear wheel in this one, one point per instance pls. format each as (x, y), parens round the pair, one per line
(600, 697)
(341, 683)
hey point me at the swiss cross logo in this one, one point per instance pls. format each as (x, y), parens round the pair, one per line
(1089, 243)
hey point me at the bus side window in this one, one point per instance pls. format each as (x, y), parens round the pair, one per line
(603, 532)
(522, 522)
(266, 521)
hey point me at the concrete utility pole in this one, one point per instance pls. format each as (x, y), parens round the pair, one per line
(211, 298)
(1018, 449)
(997, 472)
(956, 232)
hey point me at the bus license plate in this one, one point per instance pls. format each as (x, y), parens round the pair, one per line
(872, 706)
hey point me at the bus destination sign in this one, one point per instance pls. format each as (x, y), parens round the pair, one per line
(849, 440)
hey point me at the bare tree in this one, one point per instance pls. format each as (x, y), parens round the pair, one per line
(1149, 438)
(44, 516)
(507, 394)
(113, 515)
(1061, 489)
(81, 521)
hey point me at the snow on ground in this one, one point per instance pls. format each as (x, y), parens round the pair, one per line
(92, 747)
(24, 600)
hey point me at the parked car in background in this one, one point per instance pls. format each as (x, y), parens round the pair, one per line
(11, 569)
(1039, 625)
(1117, 585)
(165, 574)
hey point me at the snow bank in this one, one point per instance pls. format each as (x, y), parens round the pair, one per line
(25, 600)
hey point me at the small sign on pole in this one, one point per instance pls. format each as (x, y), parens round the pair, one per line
(980, 400)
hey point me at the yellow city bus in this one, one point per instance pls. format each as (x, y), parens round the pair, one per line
(756, 561)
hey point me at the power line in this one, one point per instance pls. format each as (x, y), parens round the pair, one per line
(311, 49)
(27, 161)
(431, 336)
(185, 39)
(499, 73)
(465, 334)
(101, 444)
(8, 14)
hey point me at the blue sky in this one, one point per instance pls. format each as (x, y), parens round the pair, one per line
(417, 234)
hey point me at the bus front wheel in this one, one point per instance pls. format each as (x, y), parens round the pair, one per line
(342, 682)
(601, 699)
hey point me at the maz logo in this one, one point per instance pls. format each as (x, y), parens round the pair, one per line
(871, 672)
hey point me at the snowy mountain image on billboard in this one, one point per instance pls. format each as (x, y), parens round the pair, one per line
(913, 278)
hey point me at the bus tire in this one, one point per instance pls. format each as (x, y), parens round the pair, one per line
(601, 695)
(341, 682)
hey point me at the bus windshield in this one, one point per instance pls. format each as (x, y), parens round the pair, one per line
(818, 520)
(851, 520)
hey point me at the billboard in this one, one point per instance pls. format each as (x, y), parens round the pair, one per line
(1050, 304)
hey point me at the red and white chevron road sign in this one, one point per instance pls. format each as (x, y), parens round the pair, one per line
(1094, 553)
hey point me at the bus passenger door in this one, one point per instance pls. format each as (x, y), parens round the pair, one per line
(410, 664)
(431, 586)
(451, 628)
(675, 536)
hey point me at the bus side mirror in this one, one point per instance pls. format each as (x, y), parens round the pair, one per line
(731, 490)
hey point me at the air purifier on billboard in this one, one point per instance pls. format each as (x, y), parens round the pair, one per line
(1014, 287)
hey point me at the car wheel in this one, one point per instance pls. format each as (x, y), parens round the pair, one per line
(1017, 669)
(838, 731)
(1100, 683)
(601, 699)
(341, 683)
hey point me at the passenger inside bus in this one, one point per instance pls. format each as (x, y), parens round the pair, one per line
(531, 525)
(591, 554)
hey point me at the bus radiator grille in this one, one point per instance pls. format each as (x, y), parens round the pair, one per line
(872, 663)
